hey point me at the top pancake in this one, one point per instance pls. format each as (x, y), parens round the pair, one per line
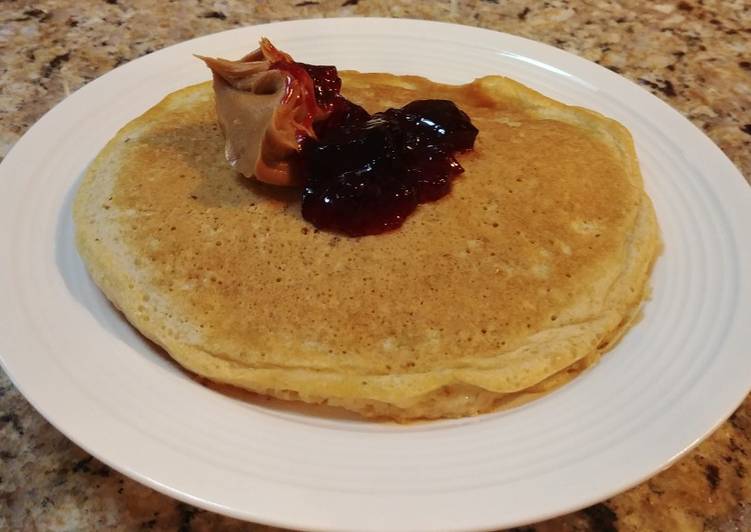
(539, 254)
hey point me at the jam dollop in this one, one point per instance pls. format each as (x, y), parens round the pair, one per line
(366, 173)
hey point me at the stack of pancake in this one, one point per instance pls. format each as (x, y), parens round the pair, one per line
(534, 265)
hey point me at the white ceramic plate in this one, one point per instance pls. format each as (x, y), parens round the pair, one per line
(667, 385)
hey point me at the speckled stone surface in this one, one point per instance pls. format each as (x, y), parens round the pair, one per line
(694, 54)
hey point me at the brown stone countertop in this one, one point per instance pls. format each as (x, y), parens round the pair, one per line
(694, 54)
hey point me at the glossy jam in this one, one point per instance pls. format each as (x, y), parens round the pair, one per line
(326, 81)
(364, 174)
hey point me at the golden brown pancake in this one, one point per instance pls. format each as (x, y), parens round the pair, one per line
(534, 264)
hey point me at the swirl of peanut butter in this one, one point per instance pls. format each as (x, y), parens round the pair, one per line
(265, 102)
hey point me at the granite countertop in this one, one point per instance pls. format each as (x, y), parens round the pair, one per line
(694, 54)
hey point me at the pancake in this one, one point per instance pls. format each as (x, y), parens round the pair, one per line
(535, 263)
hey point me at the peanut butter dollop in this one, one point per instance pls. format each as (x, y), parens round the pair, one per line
(265, 105)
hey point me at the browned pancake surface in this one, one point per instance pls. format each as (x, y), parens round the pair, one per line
(535, 239)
